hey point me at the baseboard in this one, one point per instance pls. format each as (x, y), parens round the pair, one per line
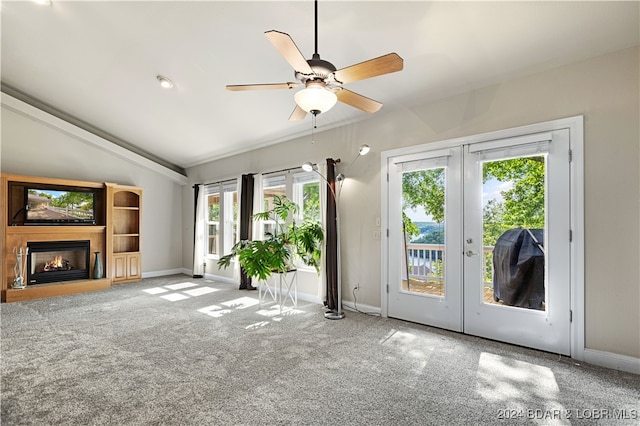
(219, 278)
(312, 298)
(365, 309)
(613, 361)
(154, 274)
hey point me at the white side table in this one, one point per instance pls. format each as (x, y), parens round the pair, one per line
(281, 287)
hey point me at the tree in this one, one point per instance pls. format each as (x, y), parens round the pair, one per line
(425, 188)
(522, 205)
(311, 201)
(435, 237)
(409, 227)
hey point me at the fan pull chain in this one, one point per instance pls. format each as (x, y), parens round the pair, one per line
(313, 127)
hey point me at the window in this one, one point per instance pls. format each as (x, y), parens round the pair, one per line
(213, 220)
(231, 212)
(271, 187)
(222, 217)
(306, 193)
(302, 188)
(223, 209)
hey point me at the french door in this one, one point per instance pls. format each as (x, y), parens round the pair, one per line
(437, 299)
(479, 239)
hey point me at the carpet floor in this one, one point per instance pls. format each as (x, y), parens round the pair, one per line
(181, 351)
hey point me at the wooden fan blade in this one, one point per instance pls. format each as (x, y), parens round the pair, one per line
(358, 101)
(289, 50)
(372, 68)
(297, 114)
(243, 87)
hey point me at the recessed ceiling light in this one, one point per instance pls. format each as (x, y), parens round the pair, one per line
(43, 2)
(165, 82)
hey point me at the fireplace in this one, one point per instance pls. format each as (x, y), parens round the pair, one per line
(56, 261)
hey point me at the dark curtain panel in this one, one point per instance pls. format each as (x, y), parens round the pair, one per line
(246, 222)
(196, 192)
(331, 238)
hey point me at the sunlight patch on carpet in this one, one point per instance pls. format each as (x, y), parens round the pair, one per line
(156, 290)
(241, 303)
(215, 311)
(257, 325)
(274, 312)
(200, 291)
(512, 382)
(287, 312)
(412, 348)
(180, 286)
(269, 312)
(174, 297)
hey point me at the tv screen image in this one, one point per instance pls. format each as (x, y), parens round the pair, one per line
(59, 206)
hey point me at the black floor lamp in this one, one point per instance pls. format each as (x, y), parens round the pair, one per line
(340, 177)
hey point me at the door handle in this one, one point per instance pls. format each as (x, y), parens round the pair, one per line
(470, 253)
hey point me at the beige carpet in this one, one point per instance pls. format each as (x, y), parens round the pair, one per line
(179, 351)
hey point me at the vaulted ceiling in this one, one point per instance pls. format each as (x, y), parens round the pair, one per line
(97, 61)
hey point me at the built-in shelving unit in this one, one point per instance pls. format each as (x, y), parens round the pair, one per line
(125, 203)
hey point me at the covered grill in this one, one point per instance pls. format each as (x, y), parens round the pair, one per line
(518, 268)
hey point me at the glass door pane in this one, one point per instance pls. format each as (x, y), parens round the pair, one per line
(513, 230)
(423, 205)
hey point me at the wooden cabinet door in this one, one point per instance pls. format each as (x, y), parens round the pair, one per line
(119, 267)
(133, 266)
(126, 267)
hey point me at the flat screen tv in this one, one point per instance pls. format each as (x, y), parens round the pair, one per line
(64, 206)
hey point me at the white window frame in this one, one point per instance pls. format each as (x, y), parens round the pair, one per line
(227, 225)
(299, 180)
(209, 191)
(230, 231)
(293, 183)
(271, 182)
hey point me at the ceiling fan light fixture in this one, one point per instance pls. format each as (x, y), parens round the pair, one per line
(315, 99)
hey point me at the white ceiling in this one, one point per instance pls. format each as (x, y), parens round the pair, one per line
(98, 61)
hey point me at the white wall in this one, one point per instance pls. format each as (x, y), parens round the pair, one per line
(605, 90)
(34, 143)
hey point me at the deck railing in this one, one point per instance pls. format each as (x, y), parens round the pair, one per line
(425, 262)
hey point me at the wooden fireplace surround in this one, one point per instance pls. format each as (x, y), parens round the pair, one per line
(17, 234)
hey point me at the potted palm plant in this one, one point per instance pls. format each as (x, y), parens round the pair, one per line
(280, 249)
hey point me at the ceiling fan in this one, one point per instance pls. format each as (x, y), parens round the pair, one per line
(322, 81)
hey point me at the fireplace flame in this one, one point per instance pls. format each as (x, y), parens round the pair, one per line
(57, 264)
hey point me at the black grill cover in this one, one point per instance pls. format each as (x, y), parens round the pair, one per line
(518, 269)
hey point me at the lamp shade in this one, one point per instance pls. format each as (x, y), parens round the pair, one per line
(315, 99)
(308, 167)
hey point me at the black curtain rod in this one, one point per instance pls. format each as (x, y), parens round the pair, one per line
(214, 183)
(266, 173)
(283, 170)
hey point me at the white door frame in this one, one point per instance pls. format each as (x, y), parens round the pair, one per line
(575, 125)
